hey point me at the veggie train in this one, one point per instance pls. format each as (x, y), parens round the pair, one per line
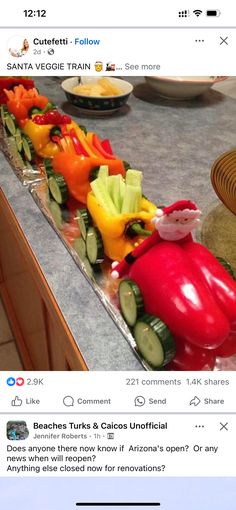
(178, 299)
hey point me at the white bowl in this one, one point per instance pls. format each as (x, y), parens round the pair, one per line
(182, 87)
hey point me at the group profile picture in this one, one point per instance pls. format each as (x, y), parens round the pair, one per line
(17, 430)
(18, 46)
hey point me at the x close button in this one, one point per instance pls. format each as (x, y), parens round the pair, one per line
(224, 40)
(224, 426)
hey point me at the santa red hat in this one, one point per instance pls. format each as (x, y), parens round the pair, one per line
(184, 208)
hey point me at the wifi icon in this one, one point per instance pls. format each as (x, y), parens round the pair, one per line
(197, 12)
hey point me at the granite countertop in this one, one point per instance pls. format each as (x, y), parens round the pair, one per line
(175, 144)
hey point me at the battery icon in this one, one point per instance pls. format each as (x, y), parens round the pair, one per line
(213, 13)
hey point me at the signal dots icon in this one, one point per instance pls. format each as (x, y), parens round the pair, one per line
(184, 14)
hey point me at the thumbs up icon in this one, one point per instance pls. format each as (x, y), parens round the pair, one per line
(16, 402)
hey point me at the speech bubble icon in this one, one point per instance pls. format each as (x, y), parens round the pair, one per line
(68, 401)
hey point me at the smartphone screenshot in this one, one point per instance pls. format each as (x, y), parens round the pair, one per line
(117, 256)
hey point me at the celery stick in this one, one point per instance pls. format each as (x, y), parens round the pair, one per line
(134, 177)
(131, 201)
(99, 189)
(103, 172)
(138, 200)
(111, 185)
(122, 192)
(114, 183)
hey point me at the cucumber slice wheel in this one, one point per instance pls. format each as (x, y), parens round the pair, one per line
(59, 213)
(80, 247)
(227, 266)
(18, 140)
(28, 148)
(84, 221)
(48, 167)
(94, 246)
(154, 341)
(58, 188)
(30, 167)
(56, 213)
(131, 301)
(88, 268)
(4, 114)
(10, 124)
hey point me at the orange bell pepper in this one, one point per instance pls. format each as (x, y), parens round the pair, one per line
(20, 101)
(8, 82)
(76, 171)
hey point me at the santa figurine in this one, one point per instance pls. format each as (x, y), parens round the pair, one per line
(173, 223)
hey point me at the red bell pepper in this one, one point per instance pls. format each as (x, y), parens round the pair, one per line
(107, 147)
(79, 149)
(98, 145)
(219, 281)
(175, 292)
(52, 117)
(228, 348)
(191, 357)
(89, 141)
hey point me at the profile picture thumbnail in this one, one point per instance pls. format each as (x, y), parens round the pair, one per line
(17, 430)
(18, 46)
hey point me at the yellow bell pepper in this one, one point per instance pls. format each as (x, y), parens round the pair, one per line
(113, 229)
(40, 137)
